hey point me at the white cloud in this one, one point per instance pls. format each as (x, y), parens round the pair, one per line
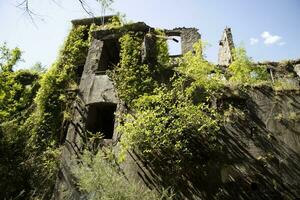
(281, 43)
(270, 39)
(253, 41)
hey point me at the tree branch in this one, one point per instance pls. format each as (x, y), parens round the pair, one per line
(25, 5)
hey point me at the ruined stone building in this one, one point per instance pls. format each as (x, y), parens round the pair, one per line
(225, 56)
(243, 175)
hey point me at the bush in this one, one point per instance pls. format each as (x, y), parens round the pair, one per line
(244, 72)
(99, 179)
(168, 123)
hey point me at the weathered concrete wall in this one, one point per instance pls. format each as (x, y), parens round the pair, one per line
(226, 46)
(261, 157)
(189, 36)
(93, 89)
(265, 150)
(260, 160)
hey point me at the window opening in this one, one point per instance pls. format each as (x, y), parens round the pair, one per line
(101, 118)
(174, 46)
(110, 55)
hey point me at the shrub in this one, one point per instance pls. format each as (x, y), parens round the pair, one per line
(99, 179)
(167, 123)
(244, 72)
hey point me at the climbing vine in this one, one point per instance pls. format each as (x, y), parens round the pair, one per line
(244, 72)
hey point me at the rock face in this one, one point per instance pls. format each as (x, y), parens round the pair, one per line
(262, 155)
(226, 47)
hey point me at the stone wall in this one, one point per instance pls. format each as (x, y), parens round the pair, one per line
(261, 158)
(226, 47)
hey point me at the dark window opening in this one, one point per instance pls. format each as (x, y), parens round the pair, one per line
(85, 35)
(254, 186)
(101, 118)
(110, 56)
(79, 71)
(174, 46)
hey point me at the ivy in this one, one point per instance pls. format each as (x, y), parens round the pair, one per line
(244, 72)
(166, 123)
(51, 98)
(204, 75)
(132, 78)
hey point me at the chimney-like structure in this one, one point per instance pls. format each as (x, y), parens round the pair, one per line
(225, 56)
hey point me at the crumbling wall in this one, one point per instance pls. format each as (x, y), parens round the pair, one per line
(94, 88)
(263, 151)
(226, 47)
(189, 36)
(261, 159)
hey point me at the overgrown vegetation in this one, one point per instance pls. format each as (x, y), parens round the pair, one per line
(45, 125)
(17, 91)
(132, 78)
(99, 178)
(244, 72)
(166, 118)
(32, 115)
(173, 124)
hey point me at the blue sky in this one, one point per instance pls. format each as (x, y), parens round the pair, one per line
(268, 29)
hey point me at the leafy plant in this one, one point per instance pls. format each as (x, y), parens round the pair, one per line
(244, 72)
(132, 78)
(9, 57)
(166, 123)
(17, 91)
(99, 178)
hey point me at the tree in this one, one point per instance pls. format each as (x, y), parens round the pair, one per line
(17, 91)
(9, 57)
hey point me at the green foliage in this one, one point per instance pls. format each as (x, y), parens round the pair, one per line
(204, 74)
(99, 178)
(162, 52)
(31, 114)
(167, 123)
(164, 120)
(132, 78)
(52, 100)
(9, 57)
(17, 91)
(244, 72)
